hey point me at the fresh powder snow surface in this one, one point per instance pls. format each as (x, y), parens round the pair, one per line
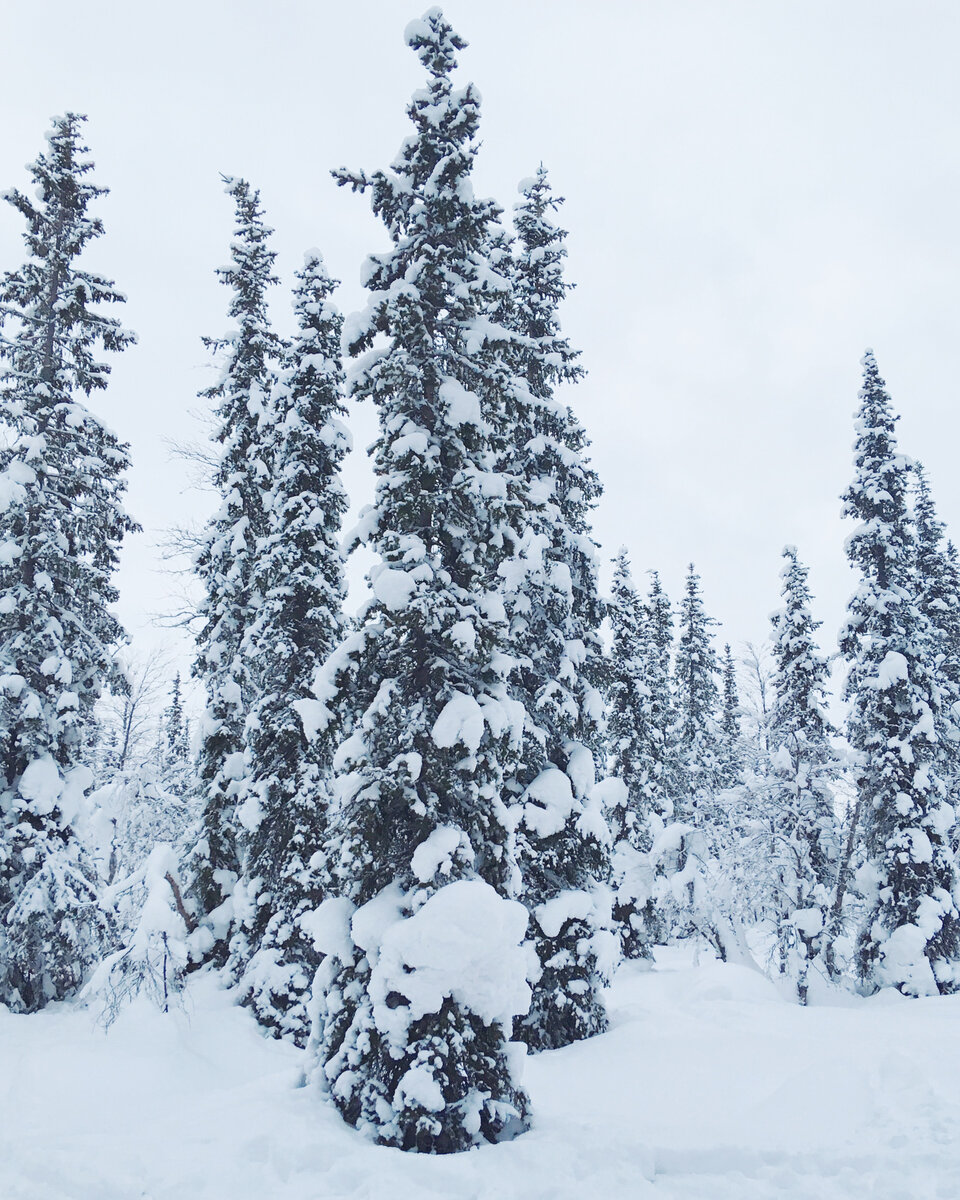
(709, 1086)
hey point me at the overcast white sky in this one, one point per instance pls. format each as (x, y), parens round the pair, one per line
(755, 193)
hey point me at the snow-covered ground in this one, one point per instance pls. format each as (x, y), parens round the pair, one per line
(708, 1086)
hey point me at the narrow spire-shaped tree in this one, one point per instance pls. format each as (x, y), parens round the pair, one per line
(947, 620)
(731, 746)
(638, 704)
(696, 700)
(61, 526)
(804, 770)
(951, 626)
(226, 560)
(911, 936)
(424, 970)
(692, 858)
(939, 597)
(556, 611)
(663, 709)
(299, 575)
(175, 740)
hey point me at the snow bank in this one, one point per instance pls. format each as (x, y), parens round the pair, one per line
(707, 1087)
(828, 1102)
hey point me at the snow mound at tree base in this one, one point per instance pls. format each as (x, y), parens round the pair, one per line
(708, 1086)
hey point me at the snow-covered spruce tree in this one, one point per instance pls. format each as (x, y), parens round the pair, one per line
(938, 579)
(424, 969)
(662, 709)
(555, 611)
(638, 723)
(731, 744)
(299, 575)
(61, 525)
(174, 749)
(226, 560)
(696, 701)
(804, 769)
(911, 936)
(695, 858)
(951, 623)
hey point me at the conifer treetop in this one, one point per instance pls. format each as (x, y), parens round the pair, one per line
(64, 468)
(53, 301)
(541, 286)
(877, 495)
(252, 346)
(801, 679)
(435, 42)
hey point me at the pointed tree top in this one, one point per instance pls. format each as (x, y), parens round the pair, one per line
(537, 202)
(871, 373)
(875, 415)
(623, 573)
(313, 261)
(247, 198)
(537, 187)
(435, 41)
(313, 278)
(57, 171)
(792, 565)
(65, 128)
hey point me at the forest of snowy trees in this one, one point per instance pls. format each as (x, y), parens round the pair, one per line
(417, 841)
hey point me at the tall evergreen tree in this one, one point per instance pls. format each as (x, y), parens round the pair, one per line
(555, 611)
(731, 748)
(697, 699)
(948, 623)
(638, 725)
(938, 580)
(226, 560)
(663, 709)
(804, 770)
(424, 971)
(697, 860)
(175, 741)
(911, 936)
(61, 526)
(299, 575)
